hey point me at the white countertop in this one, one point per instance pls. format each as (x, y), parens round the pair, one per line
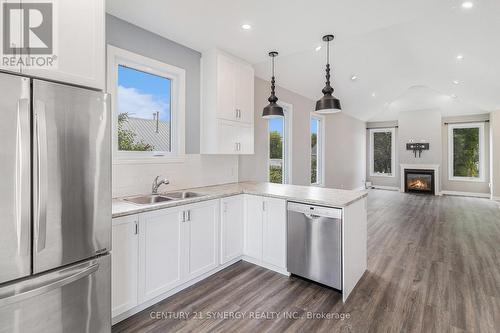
(306, 194)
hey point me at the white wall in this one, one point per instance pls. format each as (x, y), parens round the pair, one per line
(344, 143)
(495, 154)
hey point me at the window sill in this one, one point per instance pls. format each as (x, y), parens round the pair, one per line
(465, 179)
(382, 175)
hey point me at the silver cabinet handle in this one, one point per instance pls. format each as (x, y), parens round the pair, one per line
(264, 206)
(23, 177)
(41, 176)
(183, 216)
(136, 231)
(188, 215)
(14, 293)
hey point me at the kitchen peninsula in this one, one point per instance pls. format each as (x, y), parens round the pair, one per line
(170, 245)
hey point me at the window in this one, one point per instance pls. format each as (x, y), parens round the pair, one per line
(148, 106)
(382, 152)
(317, 152)
(466, 151)
(279, 147)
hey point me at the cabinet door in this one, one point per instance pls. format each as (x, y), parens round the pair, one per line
(124, 264)
(244, 93)
(79, 37)
(161, 252)
(253, 226)
(227, 137)
(274, 233)
(231, 228)
(245, 139)
(202, 221)
(226, 82)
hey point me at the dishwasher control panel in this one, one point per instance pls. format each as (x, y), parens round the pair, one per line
(334, 213)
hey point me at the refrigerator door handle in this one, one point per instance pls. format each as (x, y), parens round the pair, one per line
(14, 294)
(23, 193)
(41, 176)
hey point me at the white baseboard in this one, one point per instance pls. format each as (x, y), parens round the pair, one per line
(467, 194)
(389, 188)
(169, 293)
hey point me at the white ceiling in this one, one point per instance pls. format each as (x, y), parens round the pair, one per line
(404, 51)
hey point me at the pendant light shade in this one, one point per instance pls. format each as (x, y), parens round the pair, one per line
(328, 103)
(272, 110)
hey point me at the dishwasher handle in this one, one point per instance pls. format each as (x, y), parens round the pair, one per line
(313, 211)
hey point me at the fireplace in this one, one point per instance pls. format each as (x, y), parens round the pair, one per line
(419, 181)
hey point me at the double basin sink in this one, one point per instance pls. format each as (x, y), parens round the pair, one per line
(158, 198)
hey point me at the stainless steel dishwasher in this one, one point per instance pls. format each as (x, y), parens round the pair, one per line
(314, 243)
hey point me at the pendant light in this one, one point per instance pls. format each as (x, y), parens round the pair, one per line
(328, 103)
(272, 110)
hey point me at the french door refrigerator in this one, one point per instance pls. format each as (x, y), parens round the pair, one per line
(55, 207)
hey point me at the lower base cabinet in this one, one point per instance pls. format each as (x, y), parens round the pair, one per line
(156, 252)
(265, 230)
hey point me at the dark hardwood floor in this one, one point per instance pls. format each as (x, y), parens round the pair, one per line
(433, 266)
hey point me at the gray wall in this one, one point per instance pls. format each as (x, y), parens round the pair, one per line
(427, 125)
(344, 148)
(345, 152)
(466, 186)
(420, 125)
(135, 39)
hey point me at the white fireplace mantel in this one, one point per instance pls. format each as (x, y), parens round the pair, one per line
(435, 167)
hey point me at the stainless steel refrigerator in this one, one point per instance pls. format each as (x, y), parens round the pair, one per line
(55, 207)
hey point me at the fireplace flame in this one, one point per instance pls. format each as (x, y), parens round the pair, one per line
(418, 184)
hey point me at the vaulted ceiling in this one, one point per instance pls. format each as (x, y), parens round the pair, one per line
(403, 52)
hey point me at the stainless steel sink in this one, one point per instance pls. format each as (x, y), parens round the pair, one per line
(148, 199)
(183, 195)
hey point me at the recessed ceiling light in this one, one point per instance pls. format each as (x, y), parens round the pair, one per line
(354, 77)
(453, 96)
(456, 82)
(460, 57)
(246, 26)
(318, 48)
(467, 4)
(373, 94)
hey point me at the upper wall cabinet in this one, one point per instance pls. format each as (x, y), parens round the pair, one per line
(79, 44)
(227, 97)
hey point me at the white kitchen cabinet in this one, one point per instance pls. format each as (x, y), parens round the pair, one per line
(274, 232)
(79, 36)
(202, 221)
(124, 264)
(265, 230)
(232, 232)
(227, 104)
(162, 251)
(253, 226)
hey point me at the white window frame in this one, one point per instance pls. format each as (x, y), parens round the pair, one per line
(391, 130)
(320, 163)
(287, 141)
(451, 176)
(116, 57)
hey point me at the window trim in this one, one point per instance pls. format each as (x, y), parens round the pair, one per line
(116, 57)
(480, 126)
(287, 138)
(391, 130)
(320, 164)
